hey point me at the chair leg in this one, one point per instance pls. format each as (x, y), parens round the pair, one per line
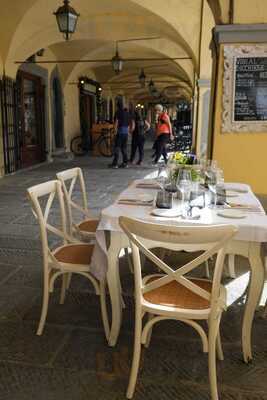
(63, 288)
(213, 333)
(69, 280)
(103, 304)
(122, 300)
(207, 269)
(136, 355)
(150, 316)
(44, 310)
(219, 347)
(130, 264)
(231, 265)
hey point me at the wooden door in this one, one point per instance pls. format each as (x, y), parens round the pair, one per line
(87, 117)
(32, 119)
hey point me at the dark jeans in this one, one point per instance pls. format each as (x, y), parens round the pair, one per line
(120, 145)
(160, 147)
(138, 142)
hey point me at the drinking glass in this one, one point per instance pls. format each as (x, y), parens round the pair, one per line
(214, 164)
(162, 176)
(216, 187)
(219, 177)
(162, 181)
(184, 185)
(197, 196)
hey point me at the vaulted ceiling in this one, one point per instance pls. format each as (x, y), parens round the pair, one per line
(28, 25)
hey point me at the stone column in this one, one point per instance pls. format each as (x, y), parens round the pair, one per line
(203, 116)
(194, 116)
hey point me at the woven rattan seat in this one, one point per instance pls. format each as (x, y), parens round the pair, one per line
(75, 254)
(176, 295)
(89, 225)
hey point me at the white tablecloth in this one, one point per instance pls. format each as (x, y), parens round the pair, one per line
(252, 228)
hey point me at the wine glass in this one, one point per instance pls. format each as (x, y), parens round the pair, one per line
(184, 185)
(162, 176)
(161, 179)
(216, 186)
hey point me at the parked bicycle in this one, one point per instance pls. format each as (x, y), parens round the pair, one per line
(104, 144)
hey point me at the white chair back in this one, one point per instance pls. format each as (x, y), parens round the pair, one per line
(69, 178)
(210, 239)
(53, 190)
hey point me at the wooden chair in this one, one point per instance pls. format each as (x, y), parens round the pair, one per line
(63, 260)
(86, 228)
(174, 295)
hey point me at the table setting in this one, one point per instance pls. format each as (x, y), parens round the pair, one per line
(189, 192)
(172, 197)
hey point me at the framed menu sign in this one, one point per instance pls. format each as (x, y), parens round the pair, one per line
(245, 89)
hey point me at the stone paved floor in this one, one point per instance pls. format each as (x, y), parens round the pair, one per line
(71, 360)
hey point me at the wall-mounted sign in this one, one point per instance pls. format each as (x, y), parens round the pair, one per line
(245, 89)
(89, 87)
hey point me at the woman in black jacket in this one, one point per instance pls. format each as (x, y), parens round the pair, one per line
(139, 128)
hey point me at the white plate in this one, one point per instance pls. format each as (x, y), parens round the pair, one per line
(236, 190)
(165, 212)
(231, 193)
(231, 214)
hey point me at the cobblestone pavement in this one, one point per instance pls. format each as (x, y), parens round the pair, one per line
(71, 360)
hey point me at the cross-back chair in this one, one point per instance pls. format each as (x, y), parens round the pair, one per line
(174, 294)
(65, 259)
(86, 228)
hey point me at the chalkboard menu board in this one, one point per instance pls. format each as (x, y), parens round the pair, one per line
(250, 94)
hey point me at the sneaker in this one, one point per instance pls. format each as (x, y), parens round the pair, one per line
(123, 165)
(114, 166)
(139, 163)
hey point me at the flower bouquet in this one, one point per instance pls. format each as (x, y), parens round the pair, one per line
(179, 161)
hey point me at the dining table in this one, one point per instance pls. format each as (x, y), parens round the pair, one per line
(138, 201)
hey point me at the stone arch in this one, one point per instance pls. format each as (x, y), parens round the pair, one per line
(80, 69)
(216, 10)
(34, 31)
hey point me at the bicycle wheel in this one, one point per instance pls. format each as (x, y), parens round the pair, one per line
(105, 146)
(76, 146)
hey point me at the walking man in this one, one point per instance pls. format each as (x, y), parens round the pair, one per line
(122, 123)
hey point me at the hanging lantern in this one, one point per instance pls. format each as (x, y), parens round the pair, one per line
(117, 61)
(142, 78)
(151, 86)
(67, 19)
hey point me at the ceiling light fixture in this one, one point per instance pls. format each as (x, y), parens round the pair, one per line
(117, 62)
(142, 78)
(67, 19)
(151, 86)
(40, 52)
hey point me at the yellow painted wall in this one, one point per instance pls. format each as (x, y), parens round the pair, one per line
(243, 156)
(248, 12)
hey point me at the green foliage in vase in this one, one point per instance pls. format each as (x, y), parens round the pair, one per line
(179, 160)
